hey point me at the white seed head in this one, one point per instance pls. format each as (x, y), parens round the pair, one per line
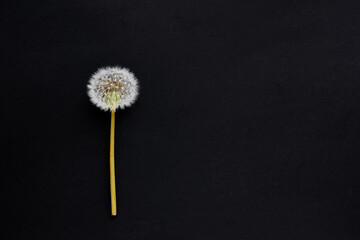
(113, 87)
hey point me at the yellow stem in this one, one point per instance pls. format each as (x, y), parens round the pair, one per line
(112, 165)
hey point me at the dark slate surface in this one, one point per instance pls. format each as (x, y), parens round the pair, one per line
(247, 125)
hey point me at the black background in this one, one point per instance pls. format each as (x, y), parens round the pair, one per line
(247, 125)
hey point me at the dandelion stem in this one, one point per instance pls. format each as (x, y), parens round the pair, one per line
(112, 165)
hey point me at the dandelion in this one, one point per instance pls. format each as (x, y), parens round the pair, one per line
(111, 88)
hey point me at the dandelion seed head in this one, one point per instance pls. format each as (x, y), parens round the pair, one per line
(111, 88)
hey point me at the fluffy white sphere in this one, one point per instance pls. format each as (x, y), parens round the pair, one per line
(113, 87)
